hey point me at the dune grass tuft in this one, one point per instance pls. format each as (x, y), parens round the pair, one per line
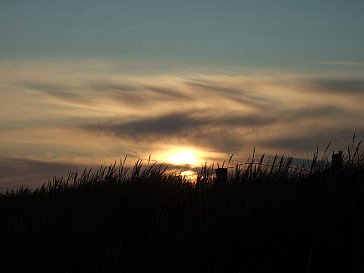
(270, 216)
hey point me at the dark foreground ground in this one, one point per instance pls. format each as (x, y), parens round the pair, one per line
(262, 220)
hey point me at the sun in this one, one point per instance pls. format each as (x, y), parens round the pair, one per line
(189, 175)
(182, 157)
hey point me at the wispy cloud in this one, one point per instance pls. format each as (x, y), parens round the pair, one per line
(60, 91)
(319, 137)
(32, 173)
(196, 127)
(89, 114)
(340, 63)
(225, 133)
(342, 86)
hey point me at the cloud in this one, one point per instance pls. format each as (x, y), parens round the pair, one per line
(31, 173)
(340, 63)
(179, 127)
(46, 87)
(169, 124)
(341, 86)
(236, 94)
(137, 93)
(225, 133)
(177, 123)
(110, 86)
(321, 137)
(323, 112)
(64, 110)
(59, 91)
(168, 92)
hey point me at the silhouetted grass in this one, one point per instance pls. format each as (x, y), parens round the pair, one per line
(271, 216)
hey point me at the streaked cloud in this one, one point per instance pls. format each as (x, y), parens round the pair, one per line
(321, 137)
(90, 113)
(32, 173)
(343, 86)
(340, 63)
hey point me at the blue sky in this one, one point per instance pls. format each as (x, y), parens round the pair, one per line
(88, 82)
(239, 33)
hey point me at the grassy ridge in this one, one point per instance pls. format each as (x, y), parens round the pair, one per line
(268, 217)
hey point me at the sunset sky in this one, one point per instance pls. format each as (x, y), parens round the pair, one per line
(85, 83)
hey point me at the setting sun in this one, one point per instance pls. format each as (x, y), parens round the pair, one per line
(182, 156)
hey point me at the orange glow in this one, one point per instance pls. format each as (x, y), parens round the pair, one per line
(189, 175)
(182, 156)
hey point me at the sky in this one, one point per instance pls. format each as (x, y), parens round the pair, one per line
(85, 83)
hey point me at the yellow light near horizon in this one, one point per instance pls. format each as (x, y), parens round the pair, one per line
(189, 174)
(183, 157)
